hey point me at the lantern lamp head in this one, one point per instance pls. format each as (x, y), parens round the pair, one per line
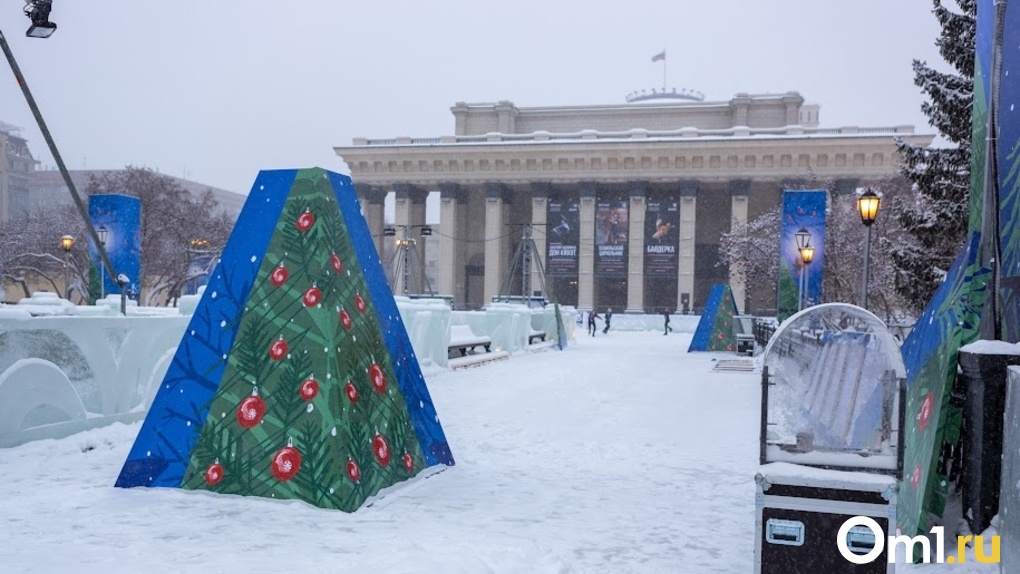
(867, 206)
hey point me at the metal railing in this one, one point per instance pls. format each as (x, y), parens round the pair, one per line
(763, 331)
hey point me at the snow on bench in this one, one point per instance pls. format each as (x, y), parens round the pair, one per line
(533, 334)
(478, 360)
(463, 339)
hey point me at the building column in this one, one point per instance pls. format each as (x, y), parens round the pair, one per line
(636, 248)
(739, 189)
(373, 200)
(495, 240)
(540, 233)
(586, 247)
(688, 218)
(409, 217)
(451, 206)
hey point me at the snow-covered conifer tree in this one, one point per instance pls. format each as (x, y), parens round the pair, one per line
(936, 221)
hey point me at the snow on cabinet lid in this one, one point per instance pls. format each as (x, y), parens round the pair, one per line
(991, 348)
(797, 475)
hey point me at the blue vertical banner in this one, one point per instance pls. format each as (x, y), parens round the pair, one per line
(801, 210)
(121, 217)
(1008, 156)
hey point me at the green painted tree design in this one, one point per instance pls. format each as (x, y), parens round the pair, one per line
(308, 407)
(722, 338)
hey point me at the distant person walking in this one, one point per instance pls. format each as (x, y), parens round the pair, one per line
(609, 317)
(592, 315)
(667, 329)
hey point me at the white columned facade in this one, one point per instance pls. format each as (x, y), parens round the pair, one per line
(739, 189)
(450, 236)
(540, 233)
(495, 241)
(586, 247)
(372, 202)
(605, 149)
(636, 249)
(688, 221)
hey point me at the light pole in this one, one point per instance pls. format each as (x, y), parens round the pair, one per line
(803, 238)
(867, 206)
(195, 247)
(102, 233)
(67, 242)
(806, 255)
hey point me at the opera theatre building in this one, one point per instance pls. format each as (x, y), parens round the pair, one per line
(625, 203)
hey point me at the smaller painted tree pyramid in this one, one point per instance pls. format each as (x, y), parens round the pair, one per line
(715, 328)
(295, 378)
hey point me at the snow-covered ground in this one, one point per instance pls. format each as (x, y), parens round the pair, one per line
(621, 454)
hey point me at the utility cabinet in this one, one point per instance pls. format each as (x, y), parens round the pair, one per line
(830, 437)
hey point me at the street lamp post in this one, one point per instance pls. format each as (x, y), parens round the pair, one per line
(102, 233)
(867, 206)
(803, 238)
(806, 255)
(195, 247)
(67, 242)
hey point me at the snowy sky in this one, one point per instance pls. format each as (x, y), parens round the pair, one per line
(215, 91)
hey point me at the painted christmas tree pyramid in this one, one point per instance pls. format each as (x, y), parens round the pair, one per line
(295, 378)
(715, 328)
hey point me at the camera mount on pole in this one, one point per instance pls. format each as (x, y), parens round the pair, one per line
(524, 257)
(406, 256)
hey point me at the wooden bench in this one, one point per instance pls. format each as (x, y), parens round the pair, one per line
(463, 339)
(540, 335)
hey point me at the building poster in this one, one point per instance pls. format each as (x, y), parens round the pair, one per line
(563, 234)
(611, 223)
(801, 210)
(662, 237)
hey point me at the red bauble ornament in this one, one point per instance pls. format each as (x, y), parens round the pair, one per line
(353, 471)
(251, 410)
(925, 413)
(279, 276)
(375, 375)
(312, 296)
(352, 392)
(360, 303)
(286, 463)
(278, 350)
(408, 462)
(214, 474)
(309, 389)
(305, 221)
(334, 260)
(381, 449)
(345, 319)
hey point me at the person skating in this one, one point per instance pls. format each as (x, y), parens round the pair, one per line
(592, 315)
(667, 328)
(609, 317)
